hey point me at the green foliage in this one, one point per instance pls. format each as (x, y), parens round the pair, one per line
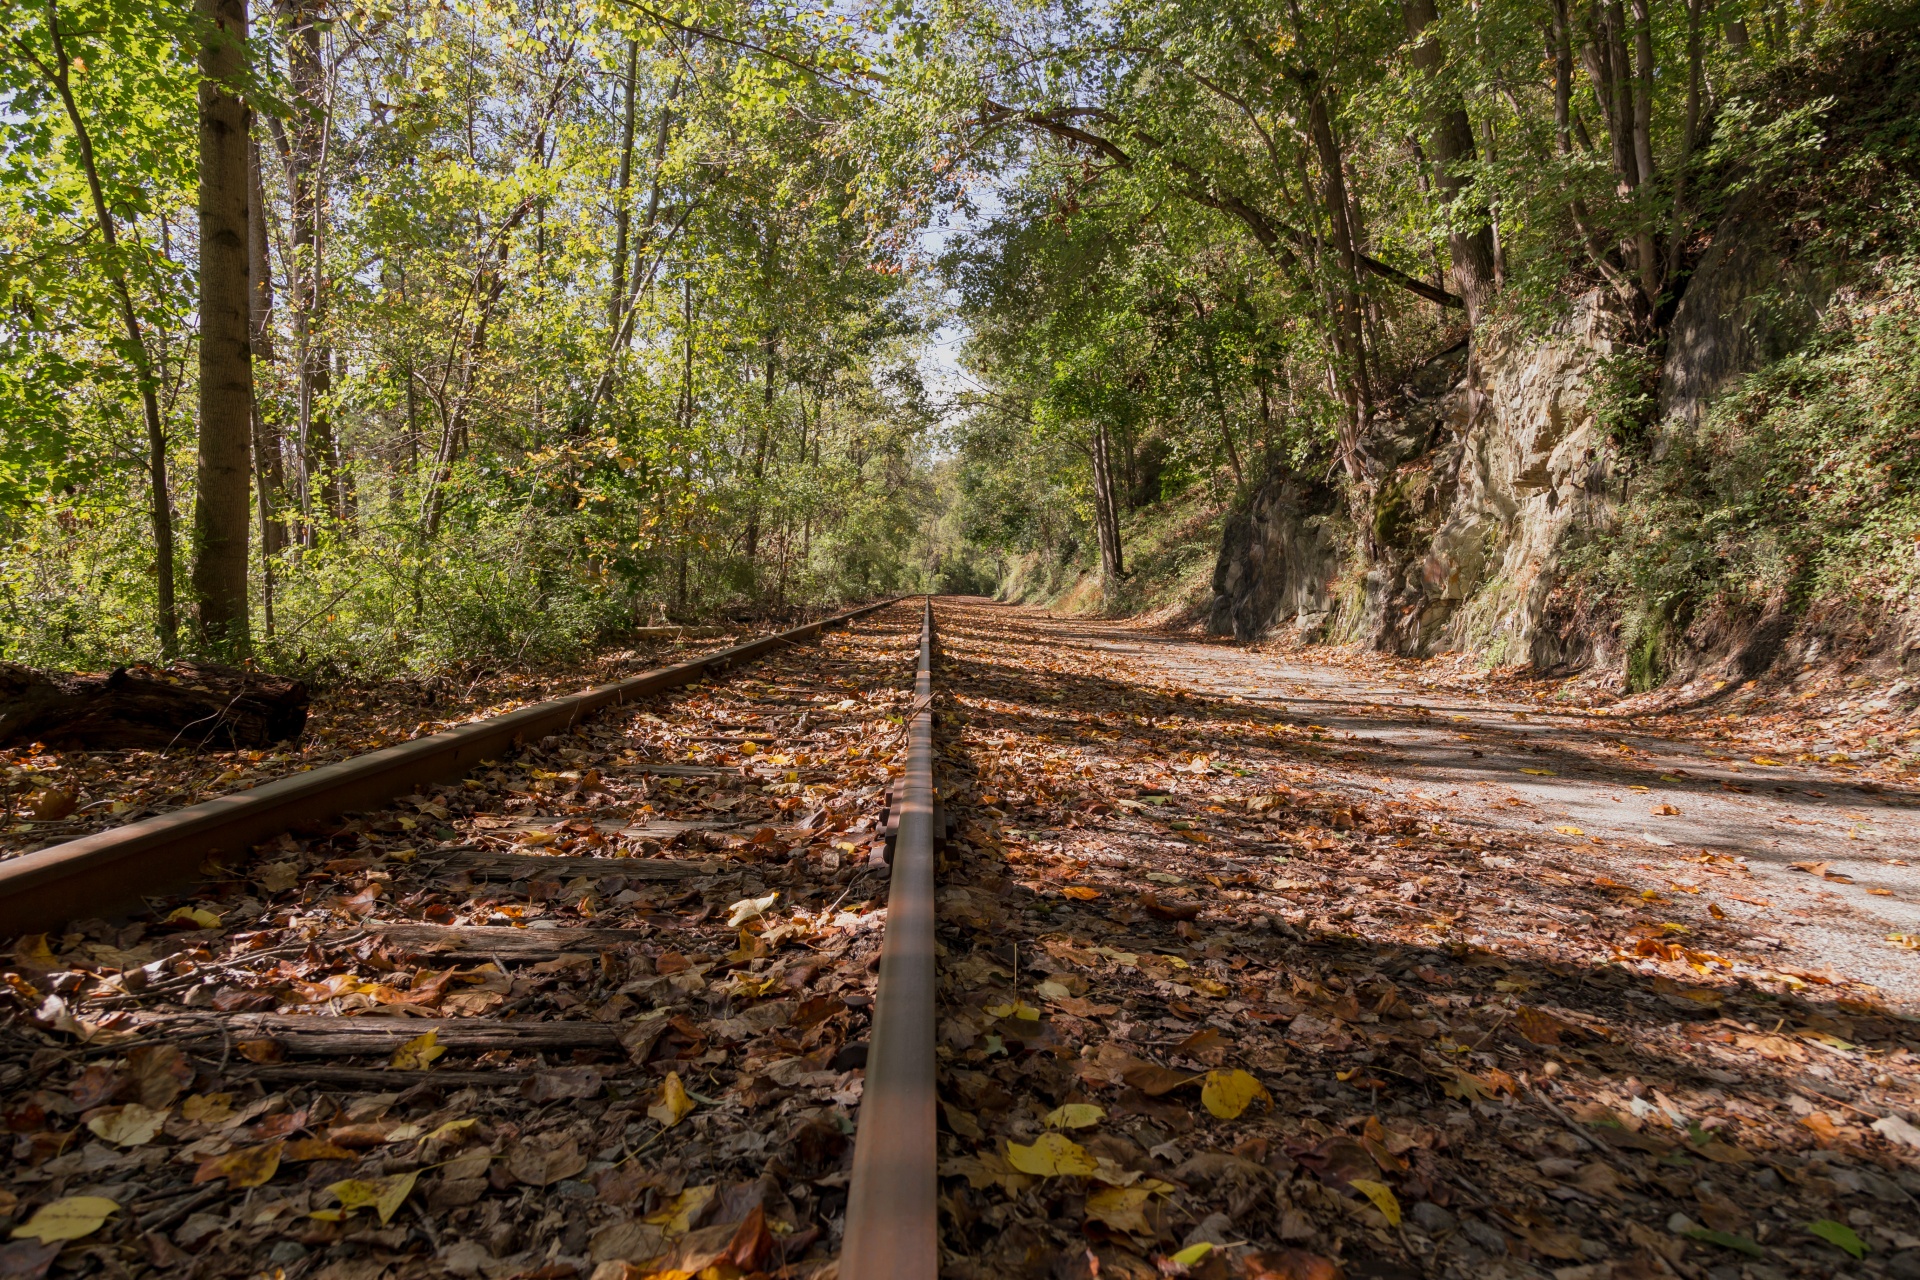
(497, 459)
(1802, 484)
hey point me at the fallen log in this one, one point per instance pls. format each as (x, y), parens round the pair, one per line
(187, 704)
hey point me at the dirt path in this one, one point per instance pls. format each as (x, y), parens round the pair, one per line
(1258, 966)
(1649, 807)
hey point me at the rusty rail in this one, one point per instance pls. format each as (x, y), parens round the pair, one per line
(109, 870)
(892, 1230)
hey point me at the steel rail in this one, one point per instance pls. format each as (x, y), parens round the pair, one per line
(892, 1230)
(109, 870)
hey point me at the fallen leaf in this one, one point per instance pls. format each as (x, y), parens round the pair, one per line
(247, 1167)
(130, 1126)
(1192, 1254)
(1081, 892)
(1075, 1115)
(383, 1195)
(545, 1159)
(69, 1219)
(1382, 1196)
(160, 1072)
(418, 1053)
(207, 1108)
(676, 1217)
(1052, 1155)
(1122, 1208)
(674, 1105)
(198, 917)
(1728, 1240)
(1837, 1234)
(1570, 831)
(1291, 1264)
(1539, 773)
(1228, 1093)
(1896, 1129)
(750, 909)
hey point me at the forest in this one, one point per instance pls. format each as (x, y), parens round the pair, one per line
(388, 335)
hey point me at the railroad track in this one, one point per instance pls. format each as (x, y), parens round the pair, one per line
(599, 987)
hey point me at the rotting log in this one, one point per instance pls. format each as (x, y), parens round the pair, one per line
(188, 704)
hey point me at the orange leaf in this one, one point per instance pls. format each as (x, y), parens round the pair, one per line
(247, 1167)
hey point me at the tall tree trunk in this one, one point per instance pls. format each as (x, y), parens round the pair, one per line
(1226, 428)
(303, 151)
(221, 510)
(160, 510)
(1106, 510)
(622, 212)
(268, 470)
(1560, 52)
(1470, 235)
(1350, 326)
(1651, 276)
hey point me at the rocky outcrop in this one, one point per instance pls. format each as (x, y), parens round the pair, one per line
(1749, 302)
(1280, 559)
(1484, 487)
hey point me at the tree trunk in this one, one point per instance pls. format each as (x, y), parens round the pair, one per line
(303, 150)
(1350, 330)
(190, 704)
(1560, 52)
(221, 511)
(160, 510)
(1106, 517)
(1470, 235)
(269, 472)
(622, 213)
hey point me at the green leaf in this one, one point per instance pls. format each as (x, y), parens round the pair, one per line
(1727, 1240)
(1839, 1235)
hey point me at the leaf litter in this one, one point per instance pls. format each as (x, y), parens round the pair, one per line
(1306, 1029)
(598, 1009)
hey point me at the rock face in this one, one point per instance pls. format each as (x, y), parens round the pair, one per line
(1533, 465)
(1280, 559)
(1485, 486)
(1749, 302)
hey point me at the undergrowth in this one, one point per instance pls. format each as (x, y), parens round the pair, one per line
(1802, 484)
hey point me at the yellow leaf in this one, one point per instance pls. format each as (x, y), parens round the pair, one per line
(1539, 773)
(67, 1219)
(1382, 1197)
(1081, 892)
(1018, 1009)
(1764, 760)
(1570, 831)
(1191, 1254)
(130, 1126)
(383, 1195)
(32, 951)
(247, 1167)
(674, 1105)
(198, 916)
(451, 1128)
(1075, 1115)
(1714, 910)
(418, 1053)
(1208, 987)
(676, 1219)
(749, 748)
(207, 1108)
(1120, 1208)
(1052, 1155)
(1227, 1093)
